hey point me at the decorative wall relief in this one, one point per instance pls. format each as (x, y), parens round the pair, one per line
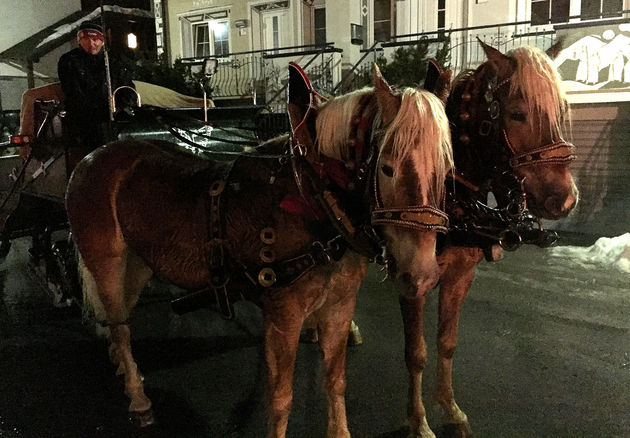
(595, 58)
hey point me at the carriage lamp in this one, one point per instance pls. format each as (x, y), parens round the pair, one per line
(132, 41)
(19, 140)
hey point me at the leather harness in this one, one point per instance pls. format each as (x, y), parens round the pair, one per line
(352, 230)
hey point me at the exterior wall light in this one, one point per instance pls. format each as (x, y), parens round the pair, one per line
(132, 41)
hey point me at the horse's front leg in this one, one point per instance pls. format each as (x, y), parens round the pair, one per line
(454, 285)
(335, 318)
(283, 320)
(412, 309)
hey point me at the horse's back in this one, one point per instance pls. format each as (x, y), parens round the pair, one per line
(97, 182)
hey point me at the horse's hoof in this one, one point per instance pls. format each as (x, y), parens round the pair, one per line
(456, 430)
(354, 337)
(309, 336)
(142, 419)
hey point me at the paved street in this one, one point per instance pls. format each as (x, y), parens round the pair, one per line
(544, 351)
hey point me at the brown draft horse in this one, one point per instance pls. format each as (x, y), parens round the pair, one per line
(138, 208)
(506, 122)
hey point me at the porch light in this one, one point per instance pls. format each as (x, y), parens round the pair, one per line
(132, 41)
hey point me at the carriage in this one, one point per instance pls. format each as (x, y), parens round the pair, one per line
(33, 179)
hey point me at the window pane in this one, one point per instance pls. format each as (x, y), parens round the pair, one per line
(612, 8)
(220, 37)
(382, 20)
(540, 12)
(590, 9)
(441, 4)
(382, 31)
(382, 10)
(441, 19)
(560, 11)
(219, 30)
(276, 32)
(320, 26)
(202, 40)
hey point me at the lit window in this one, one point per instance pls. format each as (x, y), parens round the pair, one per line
(221, 37)
(208, 34)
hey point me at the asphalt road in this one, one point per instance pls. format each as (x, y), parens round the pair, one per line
(544, 351)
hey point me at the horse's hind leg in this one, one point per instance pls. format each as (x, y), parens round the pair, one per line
(119, 280)
(454, 285)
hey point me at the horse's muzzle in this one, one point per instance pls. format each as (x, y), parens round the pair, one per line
(410, 286)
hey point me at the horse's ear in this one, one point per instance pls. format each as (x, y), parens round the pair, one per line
(438, 80)
(500, 62)
(388, 102)
(555, 49)
(434, 69)
(302, 105)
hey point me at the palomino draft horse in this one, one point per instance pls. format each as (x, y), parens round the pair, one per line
(289, 225)
(506, 122)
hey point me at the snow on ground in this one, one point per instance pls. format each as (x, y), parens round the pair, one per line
(606, 251)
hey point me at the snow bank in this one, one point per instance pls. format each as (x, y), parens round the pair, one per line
(606, 251)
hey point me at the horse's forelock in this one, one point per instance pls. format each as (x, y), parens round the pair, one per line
(421, 124)
(538, 82)
(334, 124)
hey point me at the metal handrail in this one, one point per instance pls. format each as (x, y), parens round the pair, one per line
(356, 64)
(283, 88)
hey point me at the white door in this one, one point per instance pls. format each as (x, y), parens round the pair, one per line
(276, 29)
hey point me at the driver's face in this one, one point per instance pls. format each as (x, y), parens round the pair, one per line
(92, 45)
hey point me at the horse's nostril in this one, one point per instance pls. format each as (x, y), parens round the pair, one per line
(559, 205)
(569, 203)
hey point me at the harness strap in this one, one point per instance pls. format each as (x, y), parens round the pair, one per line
(286, 272)
(216, 254)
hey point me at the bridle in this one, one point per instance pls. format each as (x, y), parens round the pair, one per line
(416, 217)
(512, 217)
(556, 152)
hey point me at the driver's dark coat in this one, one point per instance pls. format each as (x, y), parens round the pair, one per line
(84, 85)
(82, 78)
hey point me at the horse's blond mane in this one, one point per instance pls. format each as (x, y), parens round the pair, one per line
(334, 124)
(537, 80)
(419, 124)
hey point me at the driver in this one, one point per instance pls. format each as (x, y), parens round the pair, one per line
(82, 75)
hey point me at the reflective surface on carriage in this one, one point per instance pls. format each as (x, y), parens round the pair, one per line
(541, 355)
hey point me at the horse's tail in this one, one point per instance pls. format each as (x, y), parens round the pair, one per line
(92, 305)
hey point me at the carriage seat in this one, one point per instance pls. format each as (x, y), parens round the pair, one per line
(48, 92)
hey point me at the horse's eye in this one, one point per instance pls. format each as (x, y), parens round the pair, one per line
(387, 170)
(518, 116)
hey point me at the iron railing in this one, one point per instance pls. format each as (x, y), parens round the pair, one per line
(465, 52)
(260, 76)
